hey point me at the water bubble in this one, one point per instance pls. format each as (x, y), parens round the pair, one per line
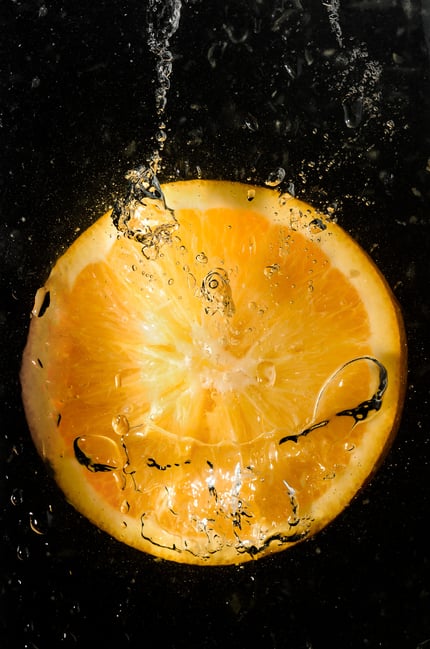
(36, 525)
(161, 136)
(266, 373)
(275, 177)
(215, 53)
(17, 497)
(236, 36)
(120, 424)
(271, 270)
(201, 258)
(250, 195)
(22, 552)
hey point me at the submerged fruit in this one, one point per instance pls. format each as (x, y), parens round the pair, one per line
(214, 382)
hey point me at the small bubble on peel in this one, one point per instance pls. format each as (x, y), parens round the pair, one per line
(251, 194)
(275, 177)
(201, 258)
(120, 424)
(271, 270)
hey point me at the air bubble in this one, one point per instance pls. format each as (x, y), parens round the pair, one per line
(250, 194)
(275, 177)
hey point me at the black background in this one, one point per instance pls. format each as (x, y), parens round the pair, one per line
(255, 85)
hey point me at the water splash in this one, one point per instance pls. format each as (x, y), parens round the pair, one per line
(143, 214)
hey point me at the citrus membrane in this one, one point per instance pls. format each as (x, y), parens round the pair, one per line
(213, 371)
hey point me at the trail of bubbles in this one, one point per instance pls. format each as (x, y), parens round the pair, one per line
(333, 15)
(162, 22)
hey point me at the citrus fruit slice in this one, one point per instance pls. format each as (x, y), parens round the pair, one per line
(213, 382)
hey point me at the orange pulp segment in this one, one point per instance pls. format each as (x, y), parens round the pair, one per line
(225, 396)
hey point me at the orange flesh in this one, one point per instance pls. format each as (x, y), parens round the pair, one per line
(206, 416)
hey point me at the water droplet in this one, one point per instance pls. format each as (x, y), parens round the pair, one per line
(22, 552)
(251, 123)
(201, 258)
(120, 424)
(161, 136)
(125, 507)
(36, 525)
(170, 281)
(17, 497)
(353, 112)
(250, 194)
(275, 177)
(271, 270)
(266, 373)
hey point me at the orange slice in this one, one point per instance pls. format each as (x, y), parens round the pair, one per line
(214, 384)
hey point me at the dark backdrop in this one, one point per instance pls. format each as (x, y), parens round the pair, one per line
(256, 85)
